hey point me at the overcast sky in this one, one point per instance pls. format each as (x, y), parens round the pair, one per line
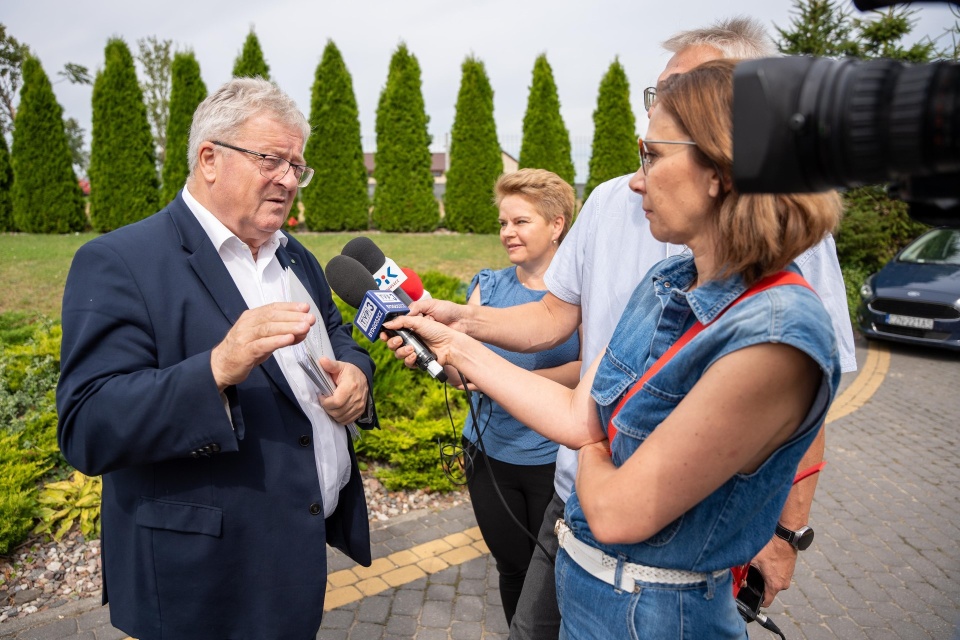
(580, 39)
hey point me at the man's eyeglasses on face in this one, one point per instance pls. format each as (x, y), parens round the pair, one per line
(647, 157)
(275, 167)
(649, 97)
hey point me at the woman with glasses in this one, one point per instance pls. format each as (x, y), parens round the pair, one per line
(714, 384)
(503, 456)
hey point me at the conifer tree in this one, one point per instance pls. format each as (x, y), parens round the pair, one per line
(336, 199)
(250, 63)
(46, 197)
(6, 183)
(187, 91)
(475, 157)
(614, 151)
(546, 141)
(123, 176)
(403, 200)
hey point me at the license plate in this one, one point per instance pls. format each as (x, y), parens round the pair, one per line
(910, 321)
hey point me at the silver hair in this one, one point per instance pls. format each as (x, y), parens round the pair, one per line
(738, 37)
(224, 111)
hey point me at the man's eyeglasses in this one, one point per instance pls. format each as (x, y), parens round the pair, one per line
(649, 97)
(647, 157)
(275, 167)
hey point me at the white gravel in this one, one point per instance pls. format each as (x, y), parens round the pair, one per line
(44, 574)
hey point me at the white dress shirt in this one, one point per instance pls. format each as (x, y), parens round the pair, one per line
(260, 282)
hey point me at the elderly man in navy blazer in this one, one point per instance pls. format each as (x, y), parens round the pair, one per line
(225, 473)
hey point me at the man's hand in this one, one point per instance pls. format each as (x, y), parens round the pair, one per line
(256, 335)
(349, 399)
(776, 562)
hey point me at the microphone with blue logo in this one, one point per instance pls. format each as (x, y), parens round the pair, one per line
(387, 275)
(354, 284)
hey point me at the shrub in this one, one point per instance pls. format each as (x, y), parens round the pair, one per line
(546, 141)
(124, 186)
(18, 491)
(403, 200)
(6, 184)
(250, 62)
(46, 197)
(336, 199)
(874, 228)
(187, 91)
(614, 151)
(475, 160)
(69, 502)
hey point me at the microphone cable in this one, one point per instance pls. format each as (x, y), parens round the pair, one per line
(493, 478)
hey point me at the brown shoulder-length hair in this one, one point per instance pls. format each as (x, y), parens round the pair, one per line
(757, 234)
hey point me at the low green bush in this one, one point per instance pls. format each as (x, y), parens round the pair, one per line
(22, 469)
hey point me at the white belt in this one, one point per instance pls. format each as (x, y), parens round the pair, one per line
(604, 567)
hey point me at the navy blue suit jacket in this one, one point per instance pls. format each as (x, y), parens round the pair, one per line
(209, 529)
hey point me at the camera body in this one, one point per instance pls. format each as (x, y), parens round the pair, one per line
(803, 124)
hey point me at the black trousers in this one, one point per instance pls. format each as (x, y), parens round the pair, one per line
(527, 490)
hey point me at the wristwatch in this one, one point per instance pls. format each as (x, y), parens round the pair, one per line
(801, 539)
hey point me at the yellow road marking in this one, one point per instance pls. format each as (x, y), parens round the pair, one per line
(874, 370)
(402, 567)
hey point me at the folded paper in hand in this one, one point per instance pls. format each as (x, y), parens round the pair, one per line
(316, 345)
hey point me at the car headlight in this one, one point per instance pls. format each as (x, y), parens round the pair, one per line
(866, 289)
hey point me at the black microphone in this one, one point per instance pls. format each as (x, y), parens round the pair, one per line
(386, 274)
(354, 284)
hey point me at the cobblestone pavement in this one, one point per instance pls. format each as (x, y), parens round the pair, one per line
(885, 562)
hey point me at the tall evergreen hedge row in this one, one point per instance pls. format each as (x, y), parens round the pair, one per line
(187, 91)
(614, 152)
(475, 160)
(337, 199)
(6, 184)
(46, 197)
(250, 63)
(546, 141)
(403, 200)
(123, 178)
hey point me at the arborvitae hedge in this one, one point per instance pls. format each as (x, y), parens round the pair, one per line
(614, 151)
(251, 63)
(187, 90)
(123, 176)
(6, 183)
(403, 200)
(46, 196)
(336, 199)
(546, 141)
(475, 160)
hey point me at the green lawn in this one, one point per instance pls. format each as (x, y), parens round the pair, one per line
(33, 268)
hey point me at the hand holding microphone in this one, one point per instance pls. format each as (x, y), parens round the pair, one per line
(354, 284)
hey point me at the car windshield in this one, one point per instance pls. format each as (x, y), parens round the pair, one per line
(940, 246)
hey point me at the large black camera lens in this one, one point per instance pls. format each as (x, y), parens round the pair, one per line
(808, 124)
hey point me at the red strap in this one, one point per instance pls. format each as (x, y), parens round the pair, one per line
(775, 280)
(809, 471)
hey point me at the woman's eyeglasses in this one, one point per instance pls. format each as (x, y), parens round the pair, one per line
(648, 157)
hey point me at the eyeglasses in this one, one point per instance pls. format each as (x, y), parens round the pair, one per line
(648, 157)
(275, 167)
(649, 97)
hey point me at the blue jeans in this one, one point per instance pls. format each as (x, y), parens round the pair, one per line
(591, 608)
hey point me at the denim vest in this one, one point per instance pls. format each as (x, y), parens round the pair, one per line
(733, 523)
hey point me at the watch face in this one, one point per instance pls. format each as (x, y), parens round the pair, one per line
(805, 538)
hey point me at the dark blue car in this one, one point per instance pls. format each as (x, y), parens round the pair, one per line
(915, 298)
